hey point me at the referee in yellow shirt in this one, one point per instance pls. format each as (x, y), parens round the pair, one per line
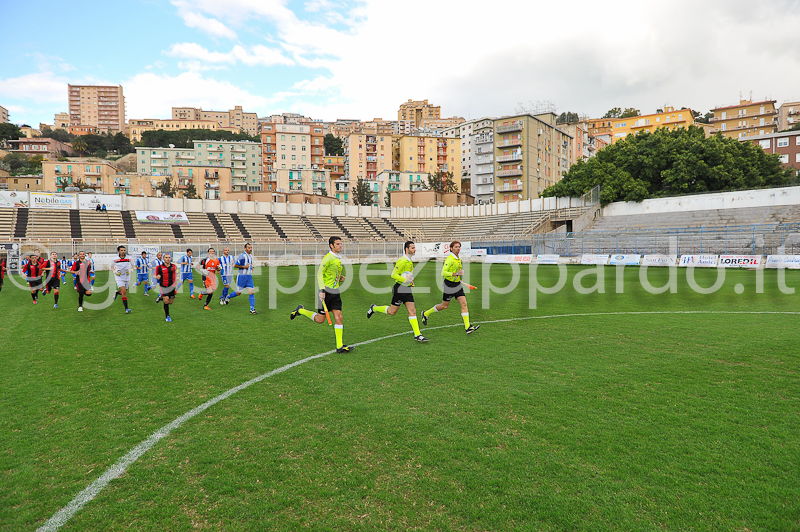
(452, 288)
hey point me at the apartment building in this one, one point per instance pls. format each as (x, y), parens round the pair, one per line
(423, 154)
(308, 180)
(61, 121)
(234, 119)
(788, 115)
(334, 164)
(3, 115)
(97, 105)
(80, 131)
(365, 155)
(417, 111)
(136, 127)
(344, 127)
(669, 118)
(290, 147)
(394, 180)
(404, 127)
(531, 153)
(786, 144)
(747, 119)
(467, 132)
(29, 183)
(97, 174)
(47, 148)
(585, 146)
(482, 177)
(210, 182)
(378, 126)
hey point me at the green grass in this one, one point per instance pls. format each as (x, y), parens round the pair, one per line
(598, 422)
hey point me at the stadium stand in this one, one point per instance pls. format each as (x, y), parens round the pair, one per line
(358, 228)
(47, 224)
(8, 220)
(229, 227)
(259, 227)
(152, 231)
(100, 225)
(292, 226)
(199, 227)
(385, 228)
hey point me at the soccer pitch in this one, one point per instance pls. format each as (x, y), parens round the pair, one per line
(600, 411)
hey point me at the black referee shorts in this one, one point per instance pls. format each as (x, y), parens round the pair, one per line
(451, 289)
(333, 300)
(401, 294)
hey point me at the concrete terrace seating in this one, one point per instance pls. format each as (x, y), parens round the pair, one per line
(230, 228)
(199, 228)
(358, 228)
(293, 227)
(151, 231)
(8, 219)
(386, 230)
(710, 218)
(258, 226)
(433, 228)
(48, 224)
(326, 227)
(99, 225)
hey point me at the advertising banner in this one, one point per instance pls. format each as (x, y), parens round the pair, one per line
(547, 259)
(740, 261)
(508, 259)
(699, 261)
(13, 198)
(479, 252)
(624, 260)
(594, 259)
(659, 260)
(440, 250)
(791, 262)
(46, 200)
(135, 250)
(162, 217)
(91, 201)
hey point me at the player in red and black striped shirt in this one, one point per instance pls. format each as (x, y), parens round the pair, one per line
(2, 272)
(33, 271)
(167, 275)
(52, 268)
(81, 270)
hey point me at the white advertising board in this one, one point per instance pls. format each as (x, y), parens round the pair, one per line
(46, 200)
(135, 250)
(162, 217)
(13, 198)
(439, 250)
(547, 259)
(659, 260)
(478, 252)
(699, 261)
(740, 261)
(91, 201)
(594, 259)
(624, 260)
(508, 259)
(791, 262)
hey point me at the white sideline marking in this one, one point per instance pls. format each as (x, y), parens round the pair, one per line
(92, 490)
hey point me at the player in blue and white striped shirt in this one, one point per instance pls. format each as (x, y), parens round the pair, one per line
(244, 264)
(186, 271)
(226, 269)
(142, 272)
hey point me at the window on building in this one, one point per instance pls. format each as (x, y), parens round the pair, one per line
(765, 143)
(783, 142)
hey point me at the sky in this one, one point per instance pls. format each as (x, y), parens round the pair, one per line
(330, 59)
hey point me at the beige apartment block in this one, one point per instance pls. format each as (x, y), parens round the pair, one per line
(747, 119)
(290, 147)
(3, 115)
(30, 183)
(669, 118)
(378, 126)
(307, 180)
(210, 182)
(97, 105)
(428, 155)
(95, 173)
(233, 120)
(530, 155)
(788, 115)
(136, 127)
(365, 155)
(584, 146)
(417, 111)
(61, 121)
(335, 165)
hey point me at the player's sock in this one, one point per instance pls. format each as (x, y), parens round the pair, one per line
(208, 299)
(125, 302)
(465, 315)
(224, 292)
(252, 301)
(233, 294)
(337, 329)
(430, 311)
(33, 296)
(55, 298)
(191, 288)
(80, 299)
(382, 308)
(307, 313)
(414, 325)
(166, 309)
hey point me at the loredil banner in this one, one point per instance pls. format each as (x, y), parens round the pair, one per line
(439, 250)
(547, 259)
(791, 262)
(162, 217)
(13, 198)
(699, 261)
(659, 260)
(740, 261)
(594, 259)
(624, 260)
(91, 201)
(508, 259)
(45, 200)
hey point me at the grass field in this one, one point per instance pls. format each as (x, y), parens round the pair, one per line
(604, 411)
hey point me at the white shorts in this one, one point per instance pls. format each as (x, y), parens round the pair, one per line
(122, 282)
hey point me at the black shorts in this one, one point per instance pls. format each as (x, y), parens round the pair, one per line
(83, 287)
(35, 284)
(167, 292)
(401, 294)
(451, 289)
(333, 300)
(54, 283)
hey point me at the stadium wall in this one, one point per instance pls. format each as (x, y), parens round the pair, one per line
(770, 197)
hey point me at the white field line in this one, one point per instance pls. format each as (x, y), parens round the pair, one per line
(118, 469)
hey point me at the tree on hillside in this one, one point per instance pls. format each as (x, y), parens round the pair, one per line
(79, 145)
(387, 202)
(190, 192)
(184, 138)
(333, 145)
(441, 182)
(567, 117)
(616, 112)
(668, 163)
(168, 188)
(60, 135)
(9, 131)
(362, 194)
(16, 162)
(702, 119)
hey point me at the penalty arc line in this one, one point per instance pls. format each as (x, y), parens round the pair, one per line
(118, 469)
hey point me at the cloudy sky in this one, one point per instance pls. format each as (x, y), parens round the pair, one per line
(334, 59)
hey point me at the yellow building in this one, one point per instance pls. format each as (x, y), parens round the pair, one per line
(97, 174)
(670, 119)
(428, 155)
(418, 111)
(234, 119)
(308, 180)
(30, 183)
(210, 182)
(136, 127)
(61, 121)
(99, 106)
(747, 119)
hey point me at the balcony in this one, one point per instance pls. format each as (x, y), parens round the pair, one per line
(483, 139)
(484, 170)
(121, 184)
(512, 187)
(509, 142)
(218, 149)
(238, 149)
(185, 156)
(156, 156)
(517, 126)
(516, 156)
(160, 164)
(509, 173)
(237, 158)
(212, 157)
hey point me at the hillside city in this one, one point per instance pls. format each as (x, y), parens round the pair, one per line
(420, 159)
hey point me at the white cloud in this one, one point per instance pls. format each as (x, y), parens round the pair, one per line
(193, 19)
(150, 95)
(257, 55)
(38, 87)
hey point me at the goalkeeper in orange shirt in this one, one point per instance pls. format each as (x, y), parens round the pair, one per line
(210, 266)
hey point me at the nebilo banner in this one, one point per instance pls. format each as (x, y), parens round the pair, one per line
(45, 200)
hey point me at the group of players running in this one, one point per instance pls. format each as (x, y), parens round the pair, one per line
(46, 275)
